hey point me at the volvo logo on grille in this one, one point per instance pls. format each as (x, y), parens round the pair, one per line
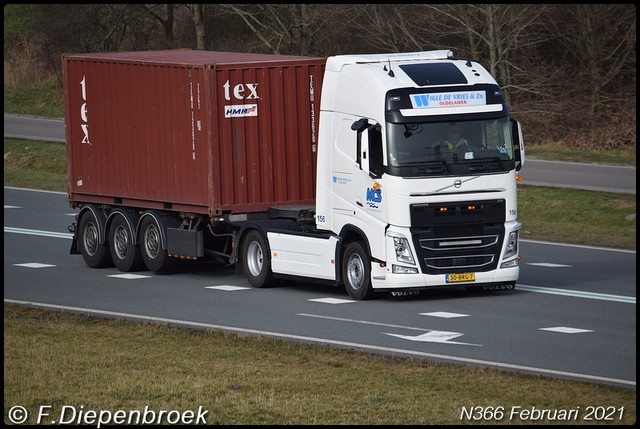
(457, 183)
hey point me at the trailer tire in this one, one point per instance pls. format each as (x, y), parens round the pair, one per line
(124, 252)
(256, 260)
(356, 272)
(94, 253)
(155, 257)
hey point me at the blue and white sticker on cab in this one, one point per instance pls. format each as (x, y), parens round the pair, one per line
(374, 196)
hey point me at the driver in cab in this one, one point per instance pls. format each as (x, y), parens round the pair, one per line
(455, 142)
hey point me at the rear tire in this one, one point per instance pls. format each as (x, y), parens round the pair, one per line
(95, 254)
(155, 257)
(356, 272)
(125, 254)
(256, 260)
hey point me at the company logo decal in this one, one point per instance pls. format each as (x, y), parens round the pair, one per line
(448, 99)
(240, 110)
(374, 198)
(83, 113)
(341, 180)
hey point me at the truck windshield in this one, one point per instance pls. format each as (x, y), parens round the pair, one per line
(457, 145)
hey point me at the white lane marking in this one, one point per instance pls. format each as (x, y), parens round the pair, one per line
(434, 337)
(430, 335)
(35, 190)
(566, 330)
(444, 314)
(548, 265)
(324, 341)
(227, 287)
(129, 276)
(33, 265)
(38, 232)
(606, 249)
(578, 293)
(332, 300)
(364, 322)
(12, 207)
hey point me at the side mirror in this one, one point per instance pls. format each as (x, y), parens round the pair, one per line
(360, 125)
(518, 143)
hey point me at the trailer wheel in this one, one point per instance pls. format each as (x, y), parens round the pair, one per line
(95, 254)
(256, 260)
(356, 272)
(125, 254)
(154, 256)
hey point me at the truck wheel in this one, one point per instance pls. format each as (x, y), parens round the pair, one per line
(256, 260)
(154, 256)
(356, 272)
(125, 254)
(95, 255)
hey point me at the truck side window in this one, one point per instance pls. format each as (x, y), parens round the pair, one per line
(369, 153)
(376, 166)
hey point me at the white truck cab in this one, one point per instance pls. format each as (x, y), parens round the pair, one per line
(422, 214)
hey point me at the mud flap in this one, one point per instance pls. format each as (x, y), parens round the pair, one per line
(74, 241)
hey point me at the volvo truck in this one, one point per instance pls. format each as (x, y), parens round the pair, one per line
(337, 170)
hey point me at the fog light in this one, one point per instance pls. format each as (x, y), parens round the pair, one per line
(509, 264)
(398, 269)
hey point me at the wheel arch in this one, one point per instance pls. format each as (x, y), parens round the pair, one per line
(130, 216)
(162, 226)
(100, 218)
(262, 227)
(348, 234)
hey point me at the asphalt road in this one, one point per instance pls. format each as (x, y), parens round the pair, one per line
(572, 315)
(595, 177)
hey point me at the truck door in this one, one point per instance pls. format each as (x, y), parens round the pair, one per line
(357, 172)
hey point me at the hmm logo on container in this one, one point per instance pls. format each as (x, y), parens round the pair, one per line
(240, 110)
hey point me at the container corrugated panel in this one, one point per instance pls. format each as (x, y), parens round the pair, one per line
(202, 131)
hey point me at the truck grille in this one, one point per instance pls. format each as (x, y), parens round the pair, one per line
(458, 237)
(475, 262)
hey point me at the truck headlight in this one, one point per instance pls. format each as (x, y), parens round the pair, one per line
(403, 251)
(512, 245)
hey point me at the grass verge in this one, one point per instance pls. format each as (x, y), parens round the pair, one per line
(57, 359)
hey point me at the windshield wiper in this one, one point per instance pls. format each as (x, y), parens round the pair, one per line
(438, 163)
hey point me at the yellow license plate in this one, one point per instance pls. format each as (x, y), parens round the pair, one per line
(463, 277)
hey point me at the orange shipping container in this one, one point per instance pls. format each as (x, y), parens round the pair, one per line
(197, 131)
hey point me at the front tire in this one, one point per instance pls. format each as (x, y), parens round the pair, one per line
(125, 254)
(356, 272)
(94, 253)
(256, 260)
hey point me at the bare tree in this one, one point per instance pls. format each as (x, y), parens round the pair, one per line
(569, 71)
(388, 27)
(197, 12)
(601, 38)
(165, 19)
(284, 28)
(494, 34)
